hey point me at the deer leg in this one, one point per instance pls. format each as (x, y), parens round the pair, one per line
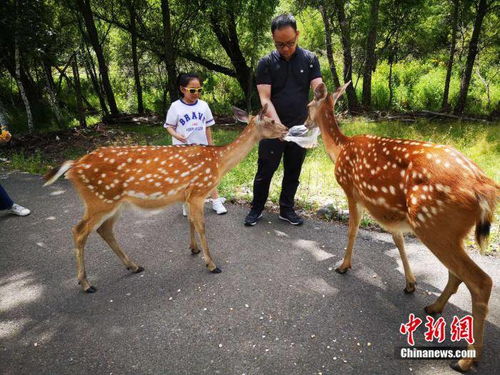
(454, 257)
(354, 220)
(410, 278)
(192, 232)
(197, 216)
(106, 232)
(81, 232)
(450, 289)
(479, 285)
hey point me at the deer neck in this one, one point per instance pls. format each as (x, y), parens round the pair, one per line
(231, 154)
(333, 138)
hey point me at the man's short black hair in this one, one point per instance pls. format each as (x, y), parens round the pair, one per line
(283, 20)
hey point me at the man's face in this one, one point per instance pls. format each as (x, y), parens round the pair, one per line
(285, 40)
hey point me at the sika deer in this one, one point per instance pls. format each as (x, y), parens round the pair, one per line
(152, 177)
(412, 186)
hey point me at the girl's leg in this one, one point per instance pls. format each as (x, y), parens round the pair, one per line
(217, 205)
(5, 202)
(215, 194)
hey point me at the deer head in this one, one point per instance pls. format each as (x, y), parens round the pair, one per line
(321, 97)
(265, 126)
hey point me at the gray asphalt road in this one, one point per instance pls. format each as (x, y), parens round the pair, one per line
(278, 307)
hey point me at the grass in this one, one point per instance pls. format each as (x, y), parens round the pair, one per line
(478, 141)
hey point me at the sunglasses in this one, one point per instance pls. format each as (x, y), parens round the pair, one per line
(280, 45)
(193, 90)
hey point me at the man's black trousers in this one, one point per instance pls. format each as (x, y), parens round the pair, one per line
(270, 152)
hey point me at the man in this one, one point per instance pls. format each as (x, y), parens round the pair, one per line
(283, 81)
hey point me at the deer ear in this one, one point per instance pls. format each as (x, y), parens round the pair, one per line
(337, 94)
(262, 112)
(320, 91)
(240, 115)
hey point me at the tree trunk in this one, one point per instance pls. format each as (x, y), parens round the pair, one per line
(391, 90)
(26, 102)
(445, 106)
(3, 116)
(471, 56)
(228, 38)
(49, 88)
(352, 100)
(170, 57)
(86, 11)
(369, 67)
(329, 48)
(78, 92)
(135, 60)
(90, 69)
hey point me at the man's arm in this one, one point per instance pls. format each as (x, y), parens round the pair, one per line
(265, 98)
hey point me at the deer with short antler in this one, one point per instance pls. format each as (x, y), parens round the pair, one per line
(152, 177)
(430, 190)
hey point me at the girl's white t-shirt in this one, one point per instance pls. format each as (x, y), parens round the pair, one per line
(190, 121)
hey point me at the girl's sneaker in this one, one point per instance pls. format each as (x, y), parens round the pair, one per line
(218, 206)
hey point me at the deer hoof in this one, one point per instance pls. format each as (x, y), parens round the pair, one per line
(216, 270)
(456, 366)
(195, 251)
(90, 289)
(139, 269)
(341, 270)
(430, 311)
(409, 289)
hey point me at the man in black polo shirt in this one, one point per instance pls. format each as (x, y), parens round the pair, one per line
(284, 78)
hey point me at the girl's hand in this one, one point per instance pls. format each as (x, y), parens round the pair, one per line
(180, 138)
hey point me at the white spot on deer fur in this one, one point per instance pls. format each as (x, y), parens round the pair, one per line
(103, 175)
(185, 174)
(447, 165)
(421, 217)
(414, 200)
(423, 196)
(384, 189)
(392, 190)
(434, 210)
(438, 161)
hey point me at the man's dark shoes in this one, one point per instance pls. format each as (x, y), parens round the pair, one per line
(291, 217)
(252, 217)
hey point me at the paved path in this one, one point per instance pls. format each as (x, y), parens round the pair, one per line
(277, 307)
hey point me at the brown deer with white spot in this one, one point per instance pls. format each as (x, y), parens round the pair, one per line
(427, 189)
(152, 177)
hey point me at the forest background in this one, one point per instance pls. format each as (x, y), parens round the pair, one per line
(70, 62)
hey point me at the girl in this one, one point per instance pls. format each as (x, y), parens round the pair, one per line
(188, 122)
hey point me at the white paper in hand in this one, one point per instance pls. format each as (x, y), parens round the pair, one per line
(302, 136)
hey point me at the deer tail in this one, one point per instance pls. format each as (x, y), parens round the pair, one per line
(52, 175)
(487, 201)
